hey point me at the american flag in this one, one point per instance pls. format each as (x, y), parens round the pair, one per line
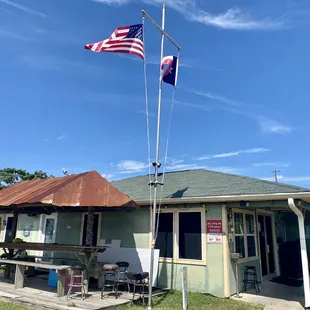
(128, 40)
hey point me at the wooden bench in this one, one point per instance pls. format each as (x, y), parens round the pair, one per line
(20, 273)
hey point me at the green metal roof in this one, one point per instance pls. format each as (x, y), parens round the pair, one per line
(201, 183)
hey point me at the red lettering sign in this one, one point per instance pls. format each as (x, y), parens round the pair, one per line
(214, 227)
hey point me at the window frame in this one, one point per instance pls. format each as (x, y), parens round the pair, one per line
(176, 258)
(173, 234)
(245, 234)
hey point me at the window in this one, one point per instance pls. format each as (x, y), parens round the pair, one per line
(164, 241)
(245, 237)
(188, 229)
(190, 235)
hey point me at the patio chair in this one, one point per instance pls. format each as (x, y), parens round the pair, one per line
(139, 279)
(121, 276)
(110, 271)
(250, 277)
(77, 280)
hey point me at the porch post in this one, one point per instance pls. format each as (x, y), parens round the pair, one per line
(90, 227)
(303, 250)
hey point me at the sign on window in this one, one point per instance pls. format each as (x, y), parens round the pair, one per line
(214, 231)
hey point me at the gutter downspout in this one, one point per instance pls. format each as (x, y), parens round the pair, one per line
(303, 250)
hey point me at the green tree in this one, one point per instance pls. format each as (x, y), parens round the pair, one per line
(9, 176)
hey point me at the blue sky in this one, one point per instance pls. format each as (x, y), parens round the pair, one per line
(241, 105)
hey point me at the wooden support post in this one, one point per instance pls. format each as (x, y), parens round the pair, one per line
(90, 227)
(19, 276)
(61, 282)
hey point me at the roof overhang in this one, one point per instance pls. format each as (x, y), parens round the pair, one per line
(233, 198)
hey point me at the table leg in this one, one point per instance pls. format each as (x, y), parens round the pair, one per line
(61, 282)
(19, 276)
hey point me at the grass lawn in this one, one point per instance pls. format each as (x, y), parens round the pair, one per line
(7, 306)
(196, 301)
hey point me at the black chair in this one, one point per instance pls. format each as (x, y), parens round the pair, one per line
(77, 280)
(250, 277)
(121, 276)
(139, 279)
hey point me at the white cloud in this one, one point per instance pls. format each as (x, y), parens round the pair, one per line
(233, 18)
(266, 124)
(193, 105)
(272, 126)
(151, 114)
(184, 167)
(107, 176)
(223, 169)
(272, 164)
(131, 166)
(236, 153)
(62, 137)
(23, 8)
(283, 178)
(13, 35)
(174, 161)
(51, 62)
(222, 99)
(112, 2)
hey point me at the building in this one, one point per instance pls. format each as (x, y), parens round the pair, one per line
(204, 217)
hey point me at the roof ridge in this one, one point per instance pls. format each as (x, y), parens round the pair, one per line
(159, 174)
(256, 179)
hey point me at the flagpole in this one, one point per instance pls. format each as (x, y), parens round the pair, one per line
(156, 164)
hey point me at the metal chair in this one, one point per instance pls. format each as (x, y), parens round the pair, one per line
(139, 279)
(250, 277)
(121, 276)
(77, 280)
(110, 270)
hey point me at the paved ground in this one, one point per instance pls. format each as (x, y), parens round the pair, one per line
(36, 295)
(276, 296)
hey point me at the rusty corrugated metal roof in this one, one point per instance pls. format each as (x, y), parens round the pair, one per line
(88, 189)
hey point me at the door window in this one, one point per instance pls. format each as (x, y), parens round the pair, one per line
(49, 236)
(9, 230)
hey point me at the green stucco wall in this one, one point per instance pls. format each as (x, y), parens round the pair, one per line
(68, 228)
(201, 278)
(68, 232)
(215, 258)
(170, 276)
(132, 228)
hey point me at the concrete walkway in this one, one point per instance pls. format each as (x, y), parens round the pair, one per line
(276, 296)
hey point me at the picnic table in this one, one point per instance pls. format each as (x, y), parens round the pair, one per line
(85, 254)
(20, 273)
